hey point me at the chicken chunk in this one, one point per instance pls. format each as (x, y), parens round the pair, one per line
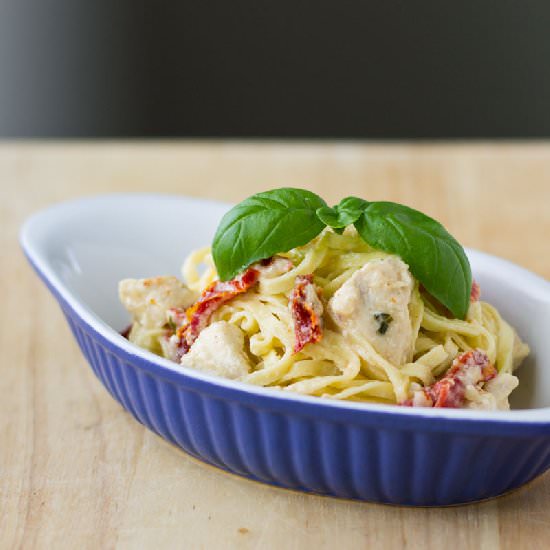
(495, 393)
(501, 387)
(219, 349)
(148, 300)
(374, 304)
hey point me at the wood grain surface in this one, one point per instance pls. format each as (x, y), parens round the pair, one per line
(76, 471)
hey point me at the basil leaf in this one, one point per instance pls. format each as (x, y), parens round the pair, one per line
(343, 214)
(434, 257)
(263, 225)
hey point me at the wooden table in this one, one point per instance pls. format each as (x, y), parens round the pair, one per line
(76, 471)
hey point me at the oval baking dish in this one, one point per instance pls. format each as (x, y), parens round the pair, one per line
(389, 454)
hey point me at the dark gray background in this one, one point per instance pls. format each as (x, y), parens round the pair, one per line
(299, 68)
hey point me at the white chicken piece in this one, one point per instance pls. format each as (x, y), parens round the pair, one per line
(500, 388)
(374, 305)
(494, 395)
(219, 349)
(148, 300)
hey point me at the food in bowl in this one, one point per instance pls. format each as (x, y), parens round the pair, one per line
(376, 452)
(365, 301)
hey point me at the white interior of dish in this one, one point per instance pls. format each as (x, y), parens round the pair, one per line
(85, 247)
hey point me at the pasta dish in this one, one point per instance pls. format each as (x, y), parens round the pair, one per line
(336, 318)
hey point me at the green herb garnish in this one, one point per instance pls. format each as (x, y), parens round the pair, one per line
(383, 320)
(279, 220)
(340, 216)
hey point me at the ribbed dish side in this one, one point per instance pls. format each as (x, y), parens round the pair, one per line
(350, 461)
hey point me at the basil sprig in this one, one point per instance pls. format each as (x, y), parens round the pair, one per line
(340, 216)
(279, 220)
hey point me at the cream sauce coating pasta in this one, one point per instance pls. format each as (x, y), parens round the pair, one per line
(348, 366)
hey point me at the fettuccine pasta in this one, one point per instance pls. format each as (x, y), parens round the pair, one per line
(409, 350)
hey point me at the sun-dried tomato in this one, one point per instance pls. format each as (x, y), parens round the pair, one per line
(307, 310)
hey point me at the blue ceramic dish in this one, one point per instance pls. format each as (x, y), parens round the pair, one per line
(379, 453)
